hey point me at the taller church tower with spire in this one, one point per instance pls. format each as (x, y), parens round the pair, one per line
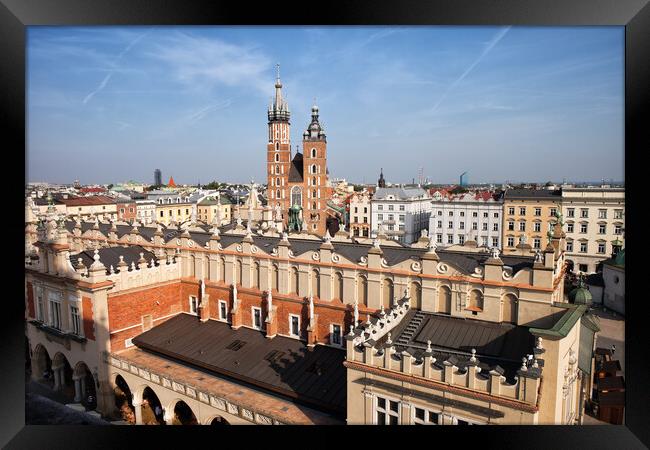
(298, 187)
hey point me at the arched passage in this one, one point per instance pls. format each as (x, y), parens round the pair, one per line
(42, 366)
(218, 420)
(183, 414)
(84, 386)
(444, 300)
(123, 399)
(475, 301)
(152, 410)
(64, 383)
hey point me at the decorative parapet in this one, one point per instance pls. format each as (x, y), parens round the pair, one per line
(129, 277)
(214, 399)
(375, 329)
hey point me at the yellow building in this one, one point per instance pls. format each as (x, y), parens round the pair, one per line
(207, 209)
(166, 213)
(528, 216)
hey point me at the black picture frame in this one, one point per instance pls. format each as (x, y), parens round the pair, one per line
(16, 15)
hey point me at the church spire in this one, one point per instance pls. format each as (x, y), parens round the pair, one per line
(278, 110)
(381, 182)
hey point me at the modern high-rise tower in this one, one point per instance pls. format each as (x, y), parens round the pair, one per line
(157, 177)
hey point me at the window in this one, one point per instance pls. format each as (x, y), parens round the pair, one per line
(474, 214)
(552, 211)
(522, 211)
(161, 214)
(387, 412)
(462, 214)
(450, 239)
(440, 213)
(495, 242)
(401, 227)
(380, 207)
(440, 224)
(538, 211)
(522, 226)
(569, 246)
(391, 217)
(601, 247)
(122, 210)
(335, 336)
(294, 325)
(55, 309)
(583, 227)
(601, 228)
(425, 417)
(401, 207)
(537, 243)
(569, 227)
(313, 152)
(484, 226)
(511, 226)
(451, 225)
(618, 214)
(537, 226)
(40, 307)
(365, 219)
(380, 217)
(582, 267)
(584, 213)
(193, 305)
(401, 217)
(451, 213)
(365, 209)
(495, 227)
(461, 239)
(390, 207)
(570, 212)
(602, 214)
(511, 241)
(75, 320)
(462, 225)
(511, 211)
(618, 229)
(496, 215)
(223, 310)
(474, 225)
(439, 238)
(583, 247)
(257, 317)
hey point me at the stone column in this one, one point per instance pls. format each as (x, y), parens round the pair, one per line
(77, 389)
(57, 378)
(168, 416)
(137, 406)
(83, 385)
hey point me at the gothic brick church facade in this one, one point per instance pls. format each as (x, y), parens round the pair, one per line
(298, 186)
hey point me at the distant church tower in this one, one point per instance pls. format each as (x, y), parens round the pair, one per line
(381, 182)
(302, 181)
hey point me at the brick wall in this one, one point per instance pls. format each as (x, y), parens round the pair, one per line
(87, 317)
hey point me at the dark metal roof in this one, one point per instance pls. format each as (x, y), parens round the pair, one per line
(495, 343)
(532, 194)
(110, 256)
(283, 365)
(296, 169)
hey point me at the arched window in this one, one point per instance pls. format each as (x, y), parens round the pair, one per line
(277, 145)
(362, 290)
(415, 292)
(277, 193)
(238, 273)
(277, 169)
(313, 205)
(277, 182)
(296, 196)
(277, 157)
(338, 286)
(315, 283)
(387, 297)
(313, 152)
(222, 269)
(509, 308)
(313, 168)
(295, 281)
(475, 300)
(313, 181)
(444, 300)
(256, 275)
(275, 277)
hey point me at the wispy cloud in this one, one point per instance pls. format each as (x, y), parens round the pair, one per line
(486, 50)
(113, 64)
(201, 113)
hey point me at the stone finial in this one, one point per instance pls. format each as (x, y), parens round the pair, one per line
(535, 365)
(473, 358)
(142, 259)
(80, 263)
(96, 255)
(285, 236)
(112, 269)
(132, 265)
(351, 333)
(382, 313)
(388, 340)
(429, 349)
(327, 237)
(495, 252)
(356, 312)
(523, 364)
(432, 244)
(424, 233)
(375, 243)
(77, 221)
(538, 343)
(239, 225)
(538, 257)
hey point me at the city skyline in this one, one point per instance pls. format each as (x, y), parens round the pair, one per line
(107, 104)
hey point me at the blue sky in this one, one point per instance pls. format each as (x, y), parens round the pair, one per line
(110, 104)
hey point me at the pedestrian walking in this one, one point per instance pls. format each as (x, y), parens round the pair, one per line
(613, 349)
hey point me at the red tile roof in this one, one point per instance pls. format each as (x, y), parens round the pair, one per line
(88, 201)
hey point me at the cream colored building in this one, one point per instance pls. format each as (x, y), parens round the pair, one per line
(360, 215)
(168, 213)
(528, 216)
(594, 218)
(207, 210)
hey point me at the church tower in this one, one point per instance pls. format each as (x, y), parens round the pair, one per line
(314, 149)
(278, 155)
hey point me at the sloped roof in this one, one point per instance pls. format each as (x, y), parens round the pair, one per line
(296, 169)
(399, 193)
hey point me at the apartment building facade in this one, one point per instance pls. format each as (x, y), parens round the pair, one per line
(401, 213)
